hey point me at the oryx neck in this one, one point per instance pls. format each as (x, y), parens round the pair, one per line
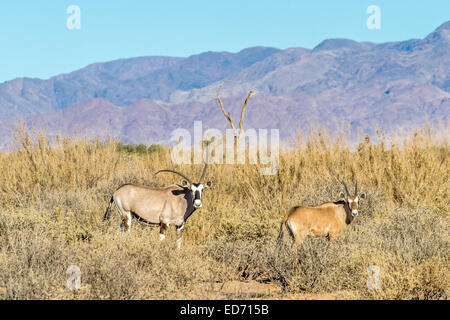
(189, 211)
(348, 212)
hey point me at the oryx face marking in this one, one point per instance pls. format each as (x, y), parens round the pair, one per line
(197, 190)
(353, 200)
(353, 204)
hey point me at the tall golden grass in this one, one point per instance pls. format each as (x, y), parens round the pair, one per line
(53, 195)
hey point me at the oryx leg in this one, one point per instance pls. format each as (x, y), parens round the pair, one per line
(127, 222)
(162, 231)
(180, 235)
(333, 236)
(125, 215)
(297, 234)
(299, 237)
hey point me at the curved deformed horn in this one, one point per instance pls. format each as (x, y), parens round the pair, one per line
(176, 172)
(356, 188)
(346, 189)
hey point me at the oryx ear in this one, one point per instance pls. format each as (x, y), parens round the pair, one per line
(362, 195)
(341, 195)
(209, 184)
(184, 183)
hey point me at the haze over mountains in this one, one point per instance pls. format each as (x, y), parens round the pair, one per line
(388, 86)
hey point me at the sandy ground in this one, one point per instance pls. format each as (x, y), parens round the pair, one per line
(258, 290)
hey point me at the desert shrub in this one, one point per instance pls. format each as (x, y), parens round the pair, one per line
(54, 192)
(409, 247)
(140, 149)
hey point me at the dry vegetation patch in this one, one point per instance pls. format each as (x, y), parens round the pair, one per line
(53, 195)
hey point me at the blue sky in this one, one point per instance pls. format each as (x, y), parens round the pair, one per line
(35, 42)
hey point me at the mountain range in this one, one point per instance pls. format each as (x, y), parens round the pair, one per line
(340, 82)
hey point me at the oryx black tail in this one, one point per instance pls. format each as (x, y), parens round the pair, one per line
(287, 224)
(280, 237)
(108, 211)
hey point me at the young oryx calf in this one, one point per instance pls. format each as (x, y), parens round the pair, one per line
(328, 219)
(171, 205)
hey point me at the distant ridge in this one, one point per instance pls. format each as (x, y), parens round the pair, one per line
(391, 85)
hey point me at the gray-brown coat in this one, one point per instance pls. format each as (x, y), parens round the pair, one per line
(166, 206)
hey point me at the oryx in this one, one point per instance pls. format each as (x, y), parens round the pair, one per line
(166, 206)
(327, 219)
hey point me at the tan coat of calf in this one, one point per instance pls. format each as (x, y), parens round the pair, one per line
(327, 220)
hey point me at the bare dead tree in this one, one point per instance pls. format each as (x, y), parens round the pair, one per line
(237, 136)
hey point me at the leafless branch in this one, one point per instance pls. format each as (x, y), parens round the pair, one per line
(241, 121)
(237, 136)
(227, 116)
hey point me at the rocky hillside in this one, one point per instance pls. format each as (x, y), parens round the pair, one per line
(390, 85)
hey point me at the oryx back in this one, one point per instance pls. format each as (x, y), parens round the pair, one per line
(318, 221)
(153, 205)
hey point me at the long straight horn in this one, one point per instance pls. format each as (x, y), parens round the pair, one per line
(180, 174)
(203, 173)
(356, 188)
(206, 165)
(346, 189)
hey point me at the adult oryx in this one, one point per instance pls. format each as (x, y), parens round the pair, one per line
(166, 206)
(327, 219)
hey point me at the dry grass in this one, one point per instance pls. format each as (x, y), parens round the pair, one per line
(53, 196)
